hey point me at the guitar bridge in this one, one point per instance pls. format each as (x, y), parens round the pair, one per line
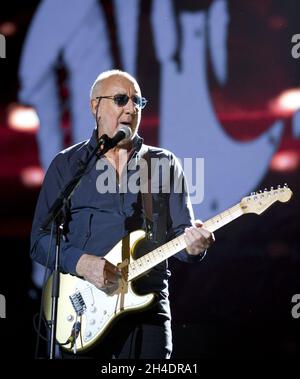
(78, 303)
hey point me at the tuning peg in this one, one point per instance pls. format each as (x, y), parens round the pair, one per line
(265, 190)
(271, 189)
(278, 187)
(285, 185)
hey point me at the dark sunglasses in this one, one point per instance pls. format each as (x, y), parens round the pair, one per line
(121, 100)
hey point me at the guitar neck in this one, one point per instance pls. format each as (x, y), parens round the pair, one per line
(148, 261)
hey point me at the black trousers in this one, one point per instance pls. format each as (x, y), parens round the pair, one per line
(143, 335)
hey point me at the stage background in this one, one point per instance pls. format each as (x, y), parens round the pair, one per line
(237, 302)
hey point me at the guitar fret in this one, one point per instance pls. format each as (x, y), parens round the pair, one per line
(223, 218)
(158, 255)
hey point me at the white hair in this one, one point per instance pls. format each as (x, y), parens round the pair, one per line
(107, 74)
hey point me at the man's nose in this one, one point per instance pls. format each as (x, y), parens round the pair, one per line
(130, 107)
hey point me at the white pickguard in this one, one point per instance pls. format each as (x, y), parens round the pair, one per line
(102, 307)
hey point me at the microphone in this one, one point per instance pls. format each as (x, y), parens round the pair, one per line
(123, 132)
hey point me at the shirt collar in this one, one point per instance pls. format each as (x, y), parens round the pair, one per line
(137, 142)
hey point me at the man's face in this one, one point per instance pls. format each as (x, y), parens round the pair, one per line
(111, 115)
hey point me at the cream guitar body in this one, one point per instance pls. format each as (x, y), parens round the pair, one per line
(85, 313)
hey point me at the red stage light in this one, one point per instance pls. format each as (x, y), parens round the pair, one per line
(288, 160)
(287, 102)
(22, 118)
(8, 28)
(32, 176)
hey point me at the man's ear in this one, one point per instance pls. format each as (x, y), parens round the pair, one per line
(93, 106)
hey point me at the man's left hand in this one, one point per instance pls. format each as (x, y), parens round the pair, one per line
(198, 239)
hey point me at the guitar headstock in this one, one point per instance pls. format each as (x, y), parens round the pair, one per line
(258, 202)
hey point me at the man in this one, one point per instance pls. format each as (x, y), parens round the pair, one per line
(96, 220)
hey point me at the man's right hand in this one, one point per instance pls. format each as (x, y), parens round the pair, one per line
(97, 271)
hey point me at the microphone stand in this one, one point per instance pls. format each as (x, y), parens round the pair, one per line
(56, 215)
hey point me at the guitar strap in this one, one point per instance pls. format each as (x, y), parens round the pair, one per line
(154, 205)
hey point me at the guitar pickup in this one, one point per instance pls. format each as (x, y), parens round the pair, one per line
(78, 303)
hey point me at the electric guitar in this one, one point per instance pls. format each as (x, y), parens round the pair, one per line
(85, 312)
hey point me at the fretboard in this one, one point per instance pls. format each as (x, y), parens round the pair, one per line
(145, 263)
